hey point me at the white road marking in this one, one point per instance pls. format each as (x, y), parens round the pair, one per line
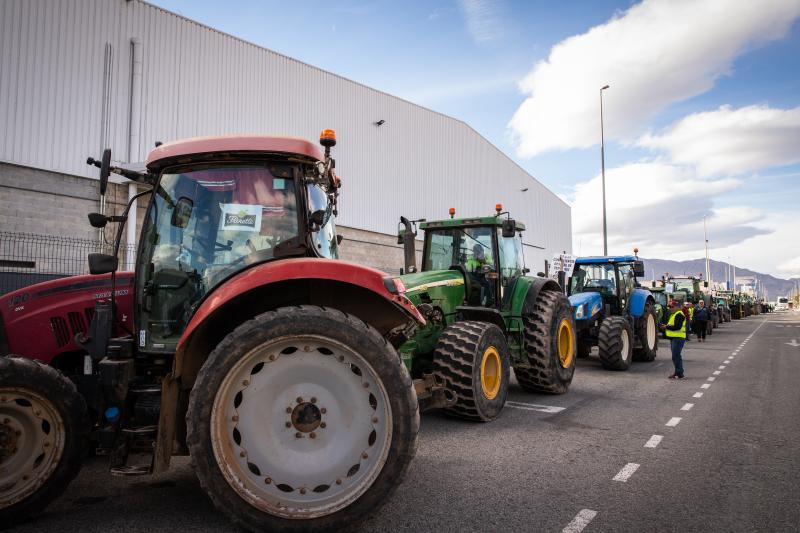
(654, 441)
(674, 421)
(687, 406)
(626, 472)
(721, 367)
(717, 372)
(580, 521)
(697, 395)
(712, 378)
(535, 407)
(705, 385)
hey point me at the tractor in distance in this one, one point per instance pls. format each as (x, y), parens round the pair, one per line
(612, 311)
(484, 316)
(239, 340)
(694, 289)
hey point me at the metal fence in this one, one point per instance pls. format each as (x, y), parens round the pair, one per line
(27, 258)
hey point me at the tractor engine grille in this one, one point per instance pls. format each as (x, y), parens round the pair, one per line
(64, 330)
(59, 327)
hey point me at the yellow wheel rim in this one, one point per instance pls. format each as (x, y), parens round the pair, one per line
(566, 343)
(491, 373)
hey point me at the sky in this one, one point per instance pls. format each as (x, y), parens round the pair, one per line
(701, 119)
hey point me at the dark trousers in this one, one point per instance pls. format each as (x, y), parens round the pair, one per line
(700, 328)
(677, 359)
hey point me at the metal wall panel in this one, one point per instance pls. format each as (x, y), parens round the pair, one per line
(198, 81)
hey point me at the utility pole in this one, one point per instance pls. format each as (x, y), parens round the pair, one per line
(708, 266)
(603, 171)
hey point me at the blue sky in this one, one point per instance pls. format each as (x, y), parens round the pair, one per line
(466, 58)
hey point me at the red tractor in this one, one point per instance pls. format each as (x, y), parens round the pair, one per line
(238, 339)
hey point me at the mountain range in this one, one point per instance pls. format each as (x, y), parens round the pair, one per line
(719, 272)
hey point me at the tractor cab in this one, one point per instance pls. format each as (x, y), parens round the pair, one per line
(613, 278)
(487, 251)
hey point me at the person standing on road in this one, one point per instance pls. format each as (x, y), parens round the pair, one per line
(687, 315)
(700, 320)
(675, 329)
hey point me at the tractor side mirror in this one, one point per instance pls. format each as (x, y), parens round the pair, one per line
(98, 220)
(638, 269)
(509, 228)
(102, 263)
(182, 213)
(317, 218)
(105, 170)
(705, 284)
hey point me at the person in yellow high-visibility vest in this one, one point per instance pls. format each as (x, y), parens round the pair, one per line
(675, 329)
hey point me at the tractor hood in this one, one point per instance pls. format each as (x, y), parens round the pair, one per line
(428, 287)
(585, 305)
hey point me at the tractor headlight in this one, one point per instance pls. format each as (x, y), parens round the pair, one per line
(580, 312)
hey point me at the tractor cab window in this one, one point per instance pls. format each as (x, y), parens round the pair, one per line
(512, 260)
(323, 235)
(469, 250)
(594, 278)
(204, 225)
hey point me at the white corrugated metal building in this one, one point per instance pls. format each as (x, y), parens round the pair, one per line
(69, 86)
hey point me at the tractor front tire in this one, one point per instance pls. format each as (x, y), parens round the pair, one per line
(44, 434)
(472, 360)
(647, 331)
(303, 418)
(615, 343)
(550, 342)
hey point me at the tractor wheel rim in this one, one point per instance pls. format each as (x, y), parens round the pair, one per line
(566, 343)
(491, 373)
(625, 344)
(31, 443)
(651, 332)
(301, 426)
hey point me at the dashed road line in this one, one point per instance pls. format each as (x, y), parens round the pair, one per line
(717, 372)
(535, 407)
(674, 421)
(697, 395)
(654, 441)
(721, 367)
(580, 521)
(626, 472)
(687, 406)
(711, 378)
(705, 385)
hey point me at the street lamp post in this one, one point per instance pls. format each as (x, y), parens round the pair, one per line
(603, 171)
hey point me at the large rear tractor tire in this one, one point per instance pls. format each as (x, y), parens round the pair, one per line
(615, 343)
(43, 436)
(647, 332)
(550, 342)
(303, 418)
(472, 360)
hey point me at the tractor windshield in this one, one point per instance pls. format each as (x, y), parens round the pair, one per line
(684, 284)
(204, 225)
(594, 278)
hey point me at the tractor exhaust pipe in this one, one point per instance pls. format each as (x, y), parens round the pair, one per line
(406, 237)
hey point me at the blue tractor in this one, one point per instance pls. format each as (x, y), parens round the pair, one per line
(612, 311)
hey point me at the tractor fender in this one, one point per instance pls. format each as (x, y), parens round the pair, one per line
(526, 290)
(592, 302)
(637, 301)
(365, 292)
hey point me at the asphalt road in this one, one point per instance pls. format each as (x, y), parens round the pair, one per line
(723, 455)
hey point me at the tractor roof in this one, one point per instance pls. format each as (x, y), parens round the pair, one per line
(462, 222)
(597, 259)
(176, 151)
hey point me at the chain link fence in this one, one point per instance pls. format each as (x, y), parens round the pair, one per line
(28, 258)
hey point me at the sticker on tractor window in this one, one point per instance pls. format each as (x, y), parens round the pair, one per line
(278, 184)
(241, 217)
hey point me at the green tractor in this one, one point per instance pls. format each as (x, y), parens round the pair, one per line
(484, 317)
(693, 287)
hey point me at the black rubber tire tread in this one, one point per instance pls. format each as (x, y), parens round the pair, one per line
(304, 319)
(645, 354)
(457, 360)
(48, 382)
(540, 338)
(609, 343)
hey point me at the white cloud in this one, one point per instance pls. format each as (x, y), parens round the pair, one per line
(656, 53)
(732, 141)
(483, 22)
(791, 267)
(658, 208)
